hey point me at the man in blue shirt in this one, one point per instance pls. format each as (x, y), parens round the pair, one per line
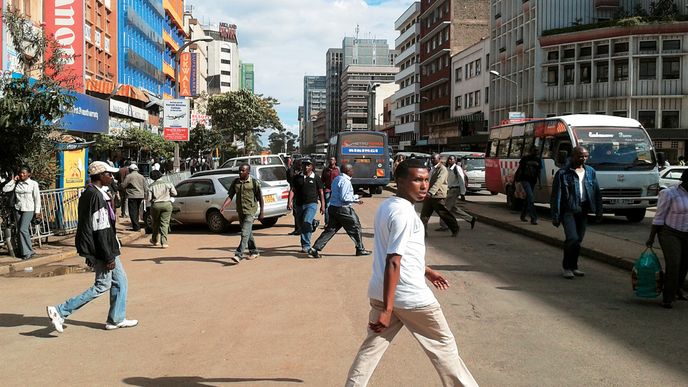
(342, 214)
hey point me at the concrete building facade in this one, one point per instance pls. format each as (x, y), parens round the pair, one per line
(601, 68)
(199, 49)
(406, 101)
(224, 72)
(357, 82)
(100, 36)
(333, 66)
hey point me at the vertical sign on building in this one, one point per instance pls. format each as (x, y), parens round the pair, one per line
(64, 21)
(185, 74)
(194, 74)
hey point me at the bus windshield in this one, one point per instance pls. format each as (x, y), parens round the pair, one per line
(616, 148)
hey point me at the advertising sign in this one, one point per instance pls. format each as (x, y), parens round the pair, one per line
(194, 75)
(64, 21)
(185, 74)
(203, 119)
(177, 115)
(90, 115)
(128, 110)
(515, 117)
(74, 167)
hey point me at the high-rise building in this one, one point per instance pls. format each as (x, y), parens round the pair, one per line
(447, 27)
(333, 90)
(247, 77)
(100, 35)
(314, 100)
(140, 45)
(358, 87)
(174, 35)
(406, 108)
(597, 66)
(224, 72)
(199, 52)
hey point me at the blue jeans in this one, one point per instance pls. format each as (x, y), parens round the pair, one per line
(114, 280)
(247, 240)
(574, 229)
(529, 204)
(307, 215)
(24, 225)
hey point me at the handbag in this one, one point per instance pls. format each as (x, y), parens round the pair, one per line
(519, 192)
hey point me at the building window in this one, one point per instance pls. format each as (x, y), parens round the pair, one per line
(620, 47)
(457, 103)
(228, 73)
(487, 95)
(106, 44)
(648, 46)
(552, 76)
(671, 68)
(670, 119)
(225, 84)
(457, 74)
(602, 49)
(585, 51)
(647, 68)
(226, 50)
(671, 45)
(569, 74)
(225, 61)
(585, 73)
(602, 69)
(569, 53)
(553, 55)
(647, 118)
(477, 98)
(477, 67)
(619, 113)
(621, 70)
(97, 38)
(87, 32)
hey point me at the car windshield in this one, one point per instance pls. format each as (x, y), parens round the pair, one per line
(617, 148)
(275, 173)
(474, 164)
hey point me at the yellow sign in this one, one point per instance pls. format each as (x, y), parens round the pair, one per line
(74, 165)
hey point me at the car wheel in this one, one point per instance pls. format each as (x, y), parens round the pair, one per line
(493, 193)
(216, 222)
(269, 222)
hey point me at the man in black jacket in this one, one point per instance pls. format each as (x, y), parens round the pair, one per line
(96, 240)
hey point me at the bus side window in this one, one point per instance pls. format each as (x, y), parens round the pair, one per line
(564, 146)
(547, 148)
(492, 149)
(503, 148)
(538, 146)
(529, 146)
(516, 148)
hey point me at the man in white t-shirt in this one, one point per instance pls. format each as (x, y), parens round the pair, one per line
(399, 295)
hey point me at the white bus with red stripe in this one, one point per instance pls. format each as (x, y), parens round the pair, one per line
(621, 153)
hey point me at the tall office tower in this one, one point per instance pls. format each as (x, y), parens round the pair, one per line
(140, 44)
(446, 27)
(173, 34)
(199, 53)
(596, 65)
(314, 100)
(247, 77)
(224, 72)
(100, 34)
(356, 97)
(333, 87)
(406, 100)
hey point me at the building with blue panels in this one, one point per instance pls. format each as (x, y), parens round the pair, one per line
(174, 35)
(140, 44)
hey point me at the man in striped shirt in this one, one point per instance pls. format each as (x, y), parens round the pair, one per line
(671, 224)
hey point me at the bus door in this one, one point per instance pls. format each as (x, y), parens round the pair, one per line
(544, 148)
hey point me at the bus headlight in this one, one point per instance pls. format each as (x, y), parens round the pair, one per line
(653, 189)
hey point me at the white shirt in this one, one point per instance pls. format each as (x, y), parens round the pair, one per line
(27, 193)
(399, 230)
(581, 180)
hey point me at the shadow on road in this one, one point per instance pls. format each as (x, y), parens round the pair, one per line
(10, 320)
(161, 260)
(198, 381)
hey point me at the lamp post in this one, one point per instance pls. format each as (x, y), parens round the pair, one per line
(177, 55)
(371, 105)
(498, 75)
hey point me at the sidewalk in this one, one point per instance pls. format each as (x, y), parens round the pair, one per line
(59, 248)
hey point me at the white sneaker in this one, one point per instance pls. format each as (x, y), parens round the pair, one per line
(568, 274)
(55, 318)
(123, 324)
(578, 273)
(235, 258)
(254, 256)
(165, 246)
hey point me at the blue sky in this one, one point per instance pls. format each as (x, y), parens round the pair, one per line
(287, 39)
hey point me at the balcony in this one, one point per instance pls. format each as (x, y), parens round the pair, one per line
(406, 15)
(413, 50)
(403, 74)
(412, 108)
(410, 127)
(413, 88)
(415, 30)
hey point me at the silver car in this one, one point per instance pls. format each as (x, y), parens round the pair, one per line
(670, 176)
(200, 198)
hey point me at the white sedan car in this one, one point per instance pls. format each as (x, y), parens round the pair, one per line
(669, 176)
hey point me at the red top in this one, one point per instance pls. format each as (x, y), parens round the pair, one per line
(328, 175)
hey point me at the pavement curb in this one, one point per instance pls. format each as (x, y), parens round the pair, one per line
(61, 256)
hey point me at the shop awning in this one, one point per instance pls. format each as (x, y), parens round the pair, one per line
(106, 87)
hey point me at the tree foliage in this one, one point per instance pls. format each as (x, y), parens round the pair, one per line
(242, 115)
(146, 144)
(277, 139)
(201, 141)
(32, 102)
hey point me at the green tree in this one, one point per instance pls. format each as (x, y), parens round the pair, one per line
(277, 139)
(146, 144)
(201, 141)
(664, 9)
(31, 103)
(242, 115)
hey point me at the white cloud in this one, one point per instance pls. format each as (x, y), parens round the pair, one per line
(287, 39)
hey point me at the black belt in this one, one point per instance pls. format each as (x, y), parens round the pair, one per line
(455, 187)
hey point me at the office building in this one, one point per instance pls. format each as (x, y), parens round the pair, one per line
(174, 34)
(224, 72)
(314, 101)
(359, 91)
(406, 106)
(100, 35)
(199, 53)
(247, 77)
(333, 89)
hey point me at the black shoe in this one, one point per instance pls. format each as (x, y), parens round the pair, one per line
(362, 252)
(294, 233)
(455, 233)
(442, 229)
(666, 305)
(313, 253)
(523, 218)
(680, 296)
(473, 223)
(533, 221)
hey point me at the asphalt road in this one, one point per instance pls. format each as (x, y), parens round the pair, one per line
(287, 320)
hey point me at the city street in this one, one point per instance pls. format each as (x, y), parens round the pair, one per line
(286, 319)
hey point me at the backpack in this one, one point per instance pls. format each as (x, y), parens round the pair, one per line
(647, 276)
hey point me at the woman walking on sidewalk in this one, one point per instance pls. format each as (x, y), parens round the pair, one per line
(27, 204)
(162, 194)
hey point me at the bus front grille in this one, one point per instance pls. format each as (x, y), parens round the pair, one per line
(622, 192)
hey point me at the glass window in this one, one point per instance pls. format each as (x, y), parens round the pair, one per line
(620, 47)
(202, 188)
(671, 45)
(671, 68)
(569, 53)
(553, 55)
(493, 148)
(647, 68)
(585, 51)
(503, 150)
(457, 74)
(670, 119)
(621, 70)
(183, 189)
(585, 73)
(647, 118)
(648, 46)
(477, 67)
(487, 95)
(516, 148)
(602, 50)
(457, 103)
(276, 173)
(602, 69)
(569, 74)
(552, 76)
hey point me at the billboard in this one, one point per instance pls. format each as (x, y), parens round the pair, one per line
(185, 74)
(177, 115)
(64, 21)
(74, 168)
(89, 114)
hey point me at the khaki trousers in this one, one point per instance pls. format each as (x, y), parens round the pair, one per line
(161, 214)
(430, 328)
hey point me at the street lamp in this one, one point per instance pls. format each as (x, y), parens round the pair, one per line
(498, 75)
(371, 105)
(177, 56)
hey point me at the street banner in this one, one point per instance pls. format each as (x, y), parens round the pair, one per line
(176, 119)
(185, 75)
(64, 21)
(194, 75)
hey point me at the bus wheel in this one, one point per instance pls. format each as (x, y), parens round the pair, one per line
(376, 190)
(493, 193)
(636, 215)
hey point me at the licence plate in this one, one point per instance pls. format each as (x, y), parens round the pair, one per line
(474, 185)
(364, 161)
(622, 201)
(269, 199)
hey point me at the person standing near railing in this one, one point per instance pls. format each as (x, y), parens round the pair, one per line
(27, 203)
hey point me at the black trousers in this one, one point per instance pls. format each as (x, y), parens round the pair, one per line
(340, 217)
(437, 205)
(134, 205)
(675, 247)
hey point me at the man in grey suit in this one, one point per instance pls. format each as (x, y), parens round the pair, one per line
(437, 195)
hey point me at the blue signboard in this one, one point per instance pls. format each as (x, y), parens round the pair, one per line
(90, 115)
(348, 151)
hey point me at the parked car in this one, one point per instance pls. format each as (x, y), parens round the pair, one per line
(253, 160)
(669, 176)
(474, 165)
